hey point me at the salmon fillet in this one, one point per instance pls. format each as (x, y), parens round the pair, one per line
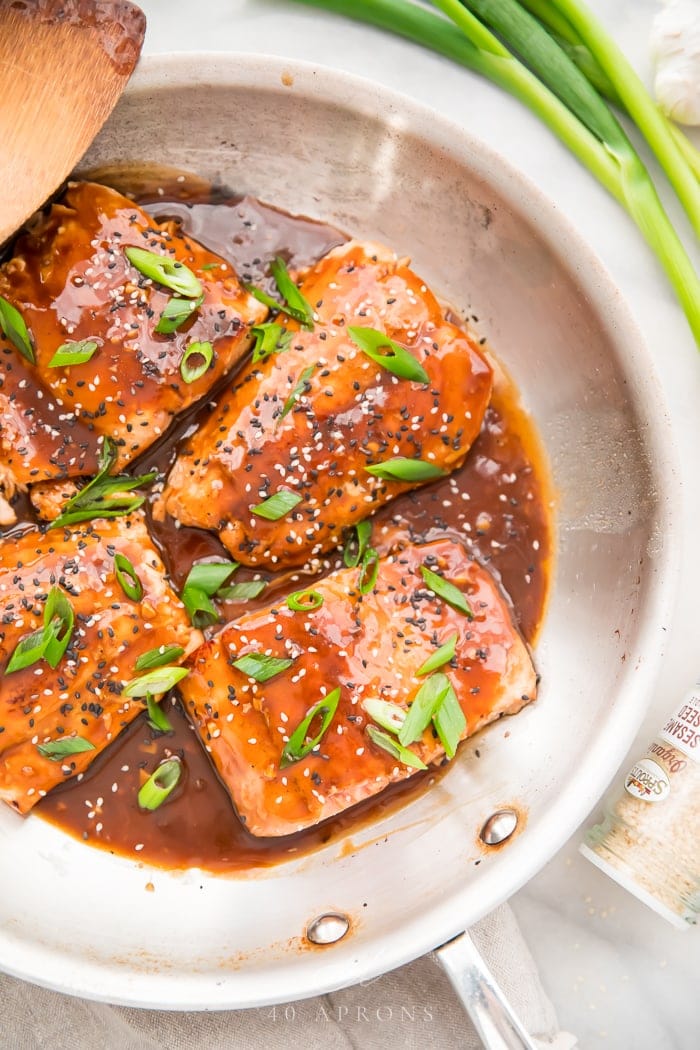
(370, 646)
(82, 695)
(308, 421)
(71, 281)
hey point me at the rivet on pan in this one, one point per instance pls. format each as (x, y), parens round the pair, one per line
(327, 929)
(499, 827)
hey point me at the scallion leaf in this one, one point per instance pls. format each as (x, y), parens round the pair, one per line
(410, 470)
(369, 570)
(49, 643)
(160, 784)
(73, 353)
(202, 584)
(270, 338)
(357, 544)
(200, 608)
(450, 723)
(389, 354)
(12, 325)
(166, 271)
(176, 312)
(161, 656)
(127, 577)
(156, 682)
(291, 294)
(298, 747)
(441, 656)
(447, 591)
(240, 592)
(28, 651)
(305, 601)
(261, 667)
(55, 750)
(105, 496)
(299, 388)
(157, 718)
(277, 506)
(425, 703)
(385, 714)
(394, 748)
(195, 361)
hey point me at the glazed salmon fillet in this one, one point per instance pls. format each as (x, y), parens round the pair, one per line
(81, 697)
(369, 646)
(71, 281)
(305, 423)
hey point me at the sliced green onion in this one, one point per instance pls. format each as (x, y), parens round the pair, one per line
(200, 608)
(166, 271)
(447, 591)
(385, 714)
(441, 656)
(160, 784)
(105, 496)
(156, 682)
(202, 584)
(28, 651)
(396, 750)
(49, 643)
(277, 506)
(401, 469)
(298, 747)
(195, 361)
(158, 657)
(261, 667)
(389, 354)
(369, 570)
(176, 312)
(73, 353)
(450, 723)
(357, 544)
(127, 578)
(291, 294)
(58, 749)
(425, 704)
(270, 338)
(299, 389)
(305, 601)
(12, 325)
(240, 592)
(157, 718)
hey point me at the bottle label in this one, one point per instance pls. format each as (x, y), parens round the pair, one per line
(647, 781)
(683, 727)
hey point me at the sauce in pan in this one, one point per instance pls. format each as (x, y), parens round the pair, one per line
(498, 503)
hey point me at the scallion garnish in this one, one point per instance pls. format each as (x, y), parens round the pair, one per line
(270, 338)
(55, 750)
(441, 656)
(300, 387)
(369, 570)
(161, 656)
(261, 667)
(276, 506)
(202, 584)
(357, 544)
(156, 682)
(298, 747)
(157, 718)
(385, 714)
(73, 353)
(195, 361)
(447, 591)
(389, 354)
(401, 469)
(394, 748)
(12, 325)
(424, 705)
(305, 601)
(49, 643)
(166, 271)
(450, 723)
(127, 577)
(160, 784)
(294, 304)
(105, 496)
(240, 592)
(176, 312)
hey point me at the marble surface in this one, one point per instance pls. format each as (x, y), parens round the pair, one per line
(618, 975)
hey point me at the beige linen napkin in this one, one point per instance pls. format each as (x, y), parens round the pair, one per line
(412, 1007)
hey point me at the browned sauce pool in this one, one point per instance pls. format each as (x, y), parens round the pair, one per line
(498, 503)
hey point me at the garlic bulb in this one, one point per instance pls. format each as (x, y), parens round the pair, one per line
(676, 49)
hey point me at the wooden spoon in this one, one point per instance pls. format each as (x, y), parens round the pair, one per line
(63, 65)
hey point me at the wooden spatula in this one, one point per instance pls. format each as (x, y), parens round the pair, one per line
(63, 65)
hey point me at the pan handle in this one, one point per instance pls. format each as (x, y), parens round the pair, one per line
(496, 1024)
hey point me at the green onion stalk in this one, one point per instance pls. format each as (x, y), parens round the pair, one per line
(580, 117)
